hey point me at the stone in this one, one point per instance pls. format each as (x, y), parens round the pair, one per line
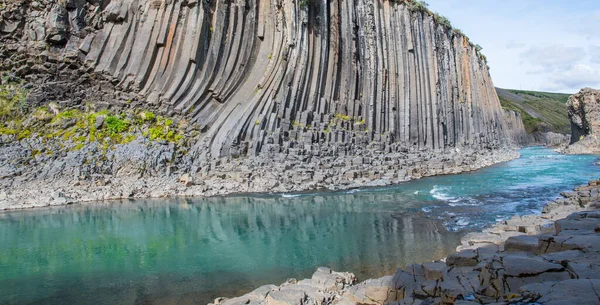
(407, 280)
(57, 25)
(564, 256)
(481, 238)
(529, 244)
(286, 297)
(584, 226)
(373, 291)
(524, 266)
(572, 291)
(570, 194)
(585, 270)
(8, 26)
(327, 280)
(462, 259)
(86, 44)
(451, 290)
(434, 270)
(99, 121)
(185, 178)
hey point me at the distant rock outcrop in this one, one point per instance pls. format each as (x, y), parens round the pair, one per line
(516, 128)
(584, 114)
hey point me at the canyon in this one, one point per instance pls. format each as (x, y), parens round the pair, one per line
(186, 98)
(108, 99)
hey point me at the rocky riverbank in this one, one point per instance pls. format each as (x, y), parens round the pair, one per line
(552, 258)
(66, 180)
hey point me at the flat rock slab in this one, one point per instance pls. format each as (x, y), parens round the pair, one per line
(464, 258)
(286, 297)
(523, 243)
(582, 225)
(524, 266)
(434, 270)
(481, 238)
(580, 292)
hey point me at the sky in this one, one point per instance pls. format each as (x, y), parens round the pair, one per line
(541, 45)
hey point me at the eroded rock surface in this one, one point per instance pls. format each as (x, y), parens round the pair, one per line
(584, 114)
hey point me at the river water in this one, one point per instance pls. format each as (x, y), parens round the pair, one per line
(189, 251)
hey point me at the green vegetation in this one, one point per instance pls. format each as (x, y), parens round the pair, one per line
(458, 32)
(116, 124)
(304, 3)
(13, 99)
(540, 110)
(418, 6)
(162, 130)
(342, 117)
(78, 127)
(441, 20)
(484, 58)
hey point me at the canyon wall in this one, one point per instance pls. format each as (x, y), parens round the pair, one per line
(259, 75)
(519, 136)
(266, 82)
(516, 128)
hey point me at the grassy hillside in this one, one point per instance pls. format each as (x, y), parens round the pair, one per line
(541, 111)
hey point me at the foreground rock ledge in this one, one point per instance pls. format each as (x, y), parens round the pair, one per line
(549, 259)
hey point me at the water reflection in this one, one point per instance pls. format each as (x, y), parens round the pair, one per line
(190, 251)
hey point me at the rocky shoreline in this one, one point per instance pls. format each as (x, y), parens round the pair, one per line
(64, 183)
(552, 258)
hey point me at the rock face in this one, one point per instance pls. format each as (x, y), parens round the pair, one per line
(518, 134)
(584, 114)
(550, 139)
(336, 86)
(264, 76)
(516, 128)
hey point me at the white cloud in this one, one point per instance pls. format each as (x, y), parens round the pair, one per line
(573, 79)
(586, 24)
(595, 54)
(553, 57)
(511, 44)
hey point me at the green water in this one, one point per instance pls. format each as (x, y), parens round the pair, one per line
(191, 251)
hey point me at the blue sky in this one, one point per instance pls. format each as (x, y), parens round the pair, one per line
(544, 45)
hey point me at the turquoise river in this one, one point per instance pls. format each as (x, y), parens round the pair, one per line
(189, 251)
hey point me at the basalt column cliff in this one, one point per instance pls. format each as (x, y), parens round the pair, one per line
(262, 74)
(355, 89)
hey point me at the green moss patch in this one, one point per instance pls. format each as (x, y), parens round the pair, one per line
(79, 127)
